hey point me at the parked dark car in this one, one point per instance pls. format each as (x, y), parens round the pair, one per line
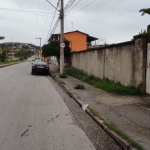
(40, 67)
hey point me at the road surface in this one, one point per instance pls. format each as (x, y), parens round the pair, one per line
(33, 116)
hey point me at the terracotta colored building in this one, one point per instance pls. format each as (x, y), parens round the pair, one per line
(79, 41)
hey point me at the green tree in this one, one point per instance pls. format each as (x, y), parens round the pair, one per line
(53, 49)
(2, 37)
(146, 11)
(25, 47)
(23, 54)
(142, 32)
(3, 56)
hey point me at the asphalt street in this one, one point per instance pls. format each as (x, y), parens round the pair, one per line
(33, 116)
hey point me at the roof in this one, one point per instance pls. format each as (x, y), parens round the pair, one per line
(75, 31)
(13, 50)
(89, 38)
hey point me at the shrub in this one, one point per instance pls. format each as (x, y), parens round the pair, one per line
(79, 86)
(64, 75)
(104, 84)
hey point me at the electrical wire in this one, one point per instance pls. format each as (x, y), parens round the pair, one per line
(100, 22)
(67, 27)
(52, 31)
(42, 19)
(83, 6)
(37, 18)
(74, 6)
(25, 11)
(67, 5)
(68, 15)
(72, 2)
(52, 21)
(52, 5)
(44, 26)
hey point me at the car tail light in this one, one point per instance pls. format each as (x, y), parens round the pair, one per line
(33, 66)
(47, 67)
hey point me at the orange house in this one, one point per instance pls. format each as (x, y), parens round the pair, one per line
(79, 41)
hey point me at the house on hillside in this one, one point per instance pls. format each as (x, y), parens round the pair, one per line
(79, 41)
(11, 53)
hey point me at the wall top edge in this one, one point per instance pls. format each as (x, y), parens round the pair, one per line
(106, 46)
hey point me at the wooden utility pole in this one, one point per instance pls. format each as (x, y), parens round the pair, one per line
(62, 38)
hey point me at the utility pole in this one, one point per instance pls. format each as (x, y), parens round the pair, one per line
(12, 50)
(72, 25)
(39, 52)
(40, 41)
(62, 38)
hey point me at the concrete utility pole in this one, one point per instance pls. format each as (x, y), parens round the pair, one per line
(40, 41)
(40, 46)
(62, 38)
(72, 25)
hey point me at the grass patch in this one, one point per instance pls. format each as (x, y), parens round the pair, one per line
(94, 112)
(79, 86)
(117, 131)
(124, 136)
(9, 61)
(104, 84)
(64, 75)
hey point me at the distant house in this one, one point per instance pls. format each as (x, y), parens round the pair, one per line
(11, 53)
(79, 41)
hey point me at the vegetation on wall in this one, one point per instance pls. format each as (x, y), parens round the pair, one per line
(104, 84)
(146, 11)
(143, 32)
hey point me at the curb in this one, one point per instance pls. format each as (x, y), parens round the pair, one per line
(122, 143)
(2, 66)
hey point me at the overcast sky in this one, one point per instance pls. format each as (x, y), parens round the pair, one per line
(112, 21)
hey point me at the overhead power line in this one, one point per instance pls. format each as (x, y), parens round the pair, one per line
(92, 21)
(55, 26)
(37, 19)
(71, 3)
(82, 7)
(52, 5)
(42, 18)
(76, 3)
(68, 15)
(52, 21)
(25, 11)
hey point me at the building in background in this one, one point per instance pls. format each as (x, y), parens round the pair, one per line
(79, 41)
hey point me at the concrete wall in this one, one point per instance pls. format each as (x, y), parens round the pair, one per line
(123, 62)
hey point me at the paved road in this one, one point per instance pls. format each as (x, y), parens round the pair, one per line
(33, 116)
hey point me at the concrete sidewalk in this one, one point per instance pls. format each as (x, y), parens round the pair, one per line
(131, 114)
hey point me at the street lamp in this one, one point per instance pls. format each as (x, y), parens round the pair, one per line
(39, 52)
(72, 25)
(40, 41)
